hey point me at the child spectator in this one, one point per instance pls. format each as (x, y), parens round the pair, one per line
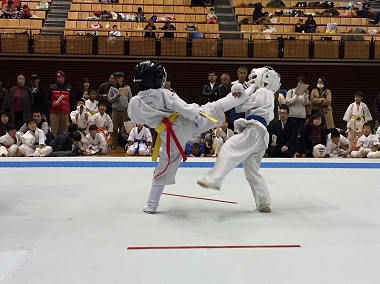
(33, 141)
(356, 115)
(41, 124)
(337, 145)
(95, 142)
(299, 27)
(211, 16)
(220, 135)
(140, 16)
(77, 147)
(81, 117)
(9, 143)
(139, 141)
(103, 121)
(312, 134)
(3, 123)
(92, 104)
(124, 132)
(63, 144)
(367, 143)
(196, 151)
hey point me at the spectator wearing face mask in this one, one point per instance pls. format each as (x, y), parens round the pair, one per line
(321, 98)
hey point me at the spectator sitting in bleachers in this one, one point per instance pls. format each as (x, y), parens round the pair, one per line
(299, 27)
(211, 16)
(310, 24)
(140, 16)
(168, 26)
(150, 27)
(10, 142)
(364, 9)
(257, 14)
(7, 10)
(25, 13)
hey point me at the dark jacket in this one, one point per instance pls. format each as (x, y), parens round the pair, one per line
(62, 142)
(28, 100)
(40, 100)
(377, 107)
(306, 145)
(220, 91)
(288, 135)
(208, 92)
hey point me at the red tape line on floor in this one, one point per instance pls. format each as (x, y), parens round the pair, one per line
(201, 198)
(213, 247)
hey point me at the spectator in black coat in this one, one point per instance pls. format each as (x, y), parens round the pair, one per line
(283, 135)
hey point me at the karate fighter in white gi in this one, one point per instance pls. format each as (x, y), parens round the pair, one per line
(158, 107)
(249, 145)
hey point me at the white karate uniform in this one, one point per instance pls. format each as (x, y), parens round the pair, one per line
(92, 107)
(356, 117)
(83, 121)
(248, 146)
(333, 149)
(94, 145)
(365, 143)
(150, 107)
(140, 140)
(103, 122)
(30, 142)
(9, 146)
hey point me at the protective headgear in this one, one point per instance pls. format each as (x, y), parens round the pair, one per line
(319, 151)
(149, 75)
(266, 77)
(13, 150)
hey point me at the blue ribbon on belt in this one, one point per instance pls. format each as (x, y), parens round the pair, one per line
(258, 118)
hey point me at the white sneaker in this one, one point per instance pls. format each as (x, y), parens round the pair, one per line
(208, 183)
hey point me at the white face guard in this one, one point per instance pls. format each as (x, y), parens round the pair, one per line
(266, 77)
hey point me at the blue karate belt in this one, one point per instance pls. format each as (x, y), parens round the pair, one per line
(258, 118)
(138, 145)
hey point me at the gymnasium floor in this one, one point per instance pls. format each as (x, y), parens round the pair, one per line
(80, 220)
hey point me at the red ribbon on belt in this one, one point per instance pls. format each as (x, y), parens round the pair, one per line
(170, 134)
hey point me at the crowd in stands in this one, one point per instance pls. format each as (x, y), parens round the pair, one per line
(9, 11)
(58, 121)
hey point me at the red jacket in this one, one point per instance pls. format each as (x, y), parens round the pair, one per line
(64, 105)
